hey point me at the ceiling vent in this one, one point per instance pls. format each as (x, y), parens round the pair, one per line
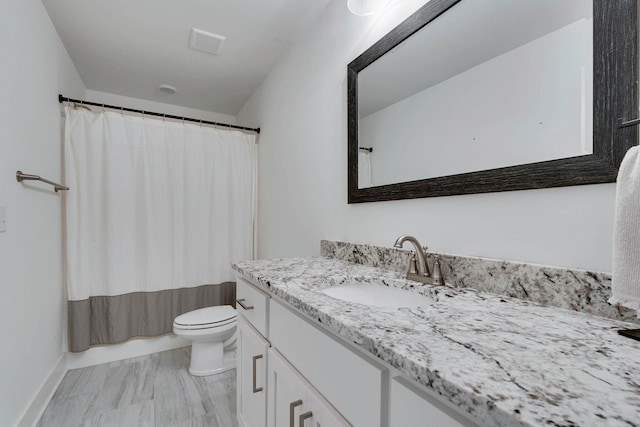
(206, 42)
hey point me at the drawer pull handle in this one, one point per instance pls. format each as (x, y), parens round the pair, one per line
(304, 417)
(255, 359)
(246, 307)
(292, 408)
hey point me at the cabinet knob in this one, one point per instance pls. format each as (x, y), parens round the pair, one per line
(304, 417)
(292, 408)
(255, 359)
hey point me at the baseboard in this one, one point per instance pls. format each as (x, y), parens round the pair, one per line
(133, 348)
(40, 401)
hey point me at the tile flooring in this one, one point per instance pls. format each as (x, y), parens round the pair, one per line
(153, 390)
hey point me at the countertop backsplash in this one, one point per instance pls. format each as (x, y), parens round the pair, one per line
(578, 290)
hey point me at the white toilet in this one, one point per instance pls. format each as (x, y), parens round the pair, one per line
(213, 332)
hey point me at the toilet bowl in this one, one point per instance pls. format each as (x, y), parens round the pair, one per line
(213, 332)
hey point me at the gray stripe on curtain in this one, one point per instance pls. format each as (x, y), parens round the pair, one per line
(114, 319)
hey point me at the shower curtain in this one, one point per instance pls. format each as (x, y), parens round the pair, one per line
(157, 212)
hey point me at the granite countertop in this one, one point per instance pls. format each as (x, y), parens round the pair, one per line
(505, 361)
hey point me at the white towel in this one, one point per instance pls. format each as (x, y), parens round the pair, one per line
(364, 169)
(625, 284)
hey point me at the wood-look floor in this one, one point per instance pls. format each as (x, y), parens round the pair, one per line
(154, 390)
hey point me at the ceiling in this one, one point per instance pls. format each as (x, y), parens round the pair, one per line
(130, 47)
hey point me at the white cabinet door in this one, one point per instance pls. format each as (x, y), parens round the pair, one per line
(287, 393)
(292, 402)
(252, 376)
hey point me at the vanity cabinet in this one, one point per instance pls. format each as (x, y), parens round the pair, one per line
(267, 383)
(288, 367)
(293, 402)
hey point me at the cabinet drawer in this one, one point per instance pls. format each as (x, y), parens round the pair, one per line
(351, 383)
(253, 305)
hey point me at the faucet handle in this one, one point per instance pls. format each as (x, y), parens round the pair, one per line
(413, 264)
(436, 276)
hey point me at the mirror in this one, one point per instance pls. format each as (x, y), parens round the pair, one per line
(471, 97)
(496, 101)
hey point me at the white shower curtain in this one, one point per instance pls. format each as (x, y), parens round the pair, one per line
(157, 212)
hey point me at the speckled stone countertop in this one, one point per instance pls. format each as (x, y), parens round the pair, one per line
(505, 361)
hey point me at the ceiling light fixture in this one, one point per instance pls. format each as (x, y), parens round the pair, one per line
(366, 7)
(165, 88)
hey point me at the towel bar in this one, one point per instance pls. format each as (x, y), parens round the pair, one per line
(26, 177)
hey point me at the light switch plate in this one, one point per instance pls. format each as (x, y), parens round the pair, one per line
(3, 218)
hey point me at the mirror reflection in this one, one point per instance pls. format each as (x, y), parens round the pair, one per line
(486, 85)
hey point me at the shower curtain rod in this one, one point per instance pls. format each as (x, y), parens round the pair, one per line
(62, 99)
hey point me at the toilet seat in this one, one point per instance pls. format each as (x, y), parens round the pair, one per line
(206, 318)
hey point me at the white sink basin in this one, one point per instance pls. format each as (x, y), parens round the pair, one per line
(377, 295)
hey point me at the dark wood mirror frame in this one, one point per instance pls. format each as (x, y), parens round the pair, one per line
(615, 99)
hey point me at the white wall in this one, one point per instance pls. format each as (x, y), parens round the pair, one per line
(35, 68)
(301, 109)
(158, 107)
(524, 106)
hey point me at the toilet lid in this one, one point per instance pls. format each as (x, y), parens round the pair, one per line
(206, 316)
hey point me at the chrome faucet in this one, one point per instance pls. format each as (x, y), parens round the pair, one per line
(419, 268)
